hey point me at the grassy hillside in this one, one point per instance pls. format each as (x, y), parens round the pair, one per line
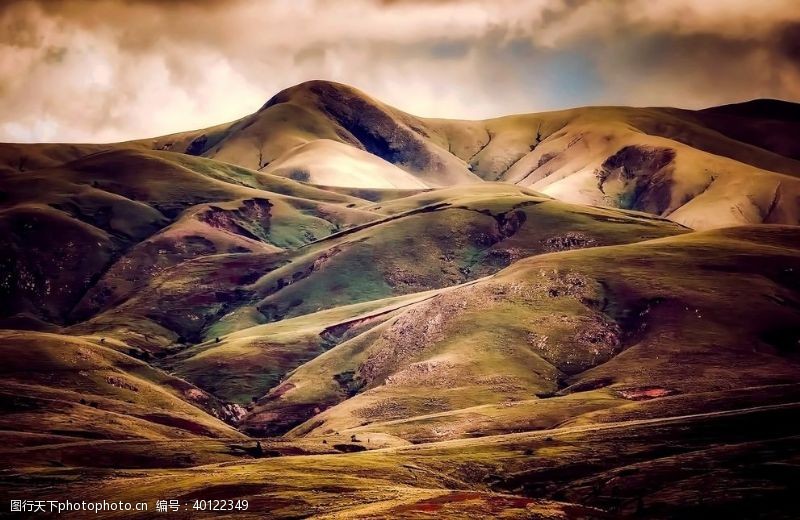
(334, 309)
(243, 365)
(75, 389)
(446, 239)
(122, 216)
(650, 319)
(690, 467)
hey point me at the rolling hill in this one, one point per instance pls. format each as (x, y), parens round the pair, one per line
(335, 309)
(657, 160)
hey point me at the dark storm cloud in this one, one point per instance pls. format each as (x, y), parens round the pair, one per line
(98, 70)
(788, 42)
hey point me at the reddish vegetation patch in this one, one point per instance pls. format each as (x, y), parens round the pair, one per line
(178, 422)
(422, 506)
(228, 491)
(495, 503)
(645, 392)
(499, 503)
(436, 503)
(236, 221)
(282, 389)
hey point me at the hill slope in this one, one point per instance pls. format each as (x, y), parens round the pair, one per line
(122, 215)
(556, 315)
(654, 318)
(657, 160)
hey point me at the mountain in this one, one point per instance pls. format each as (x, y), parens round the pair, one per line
(335, 309)
(656, 160)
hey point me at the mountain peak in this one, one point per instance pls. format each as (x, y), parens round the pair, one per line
(318, 88)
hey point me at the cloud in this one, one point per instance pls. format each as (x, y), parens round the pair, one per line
(104, 70)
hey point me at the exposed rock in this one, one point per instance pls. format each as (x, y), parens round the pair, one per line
(251, 219)
(121, 383)
(198, 145)
(643, 175)
(567, 241)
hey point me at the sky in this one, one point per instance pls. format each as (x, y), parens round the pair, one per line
(112, 70)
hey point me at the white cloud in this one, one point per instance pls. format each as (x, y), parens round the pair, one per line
(102, 70)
